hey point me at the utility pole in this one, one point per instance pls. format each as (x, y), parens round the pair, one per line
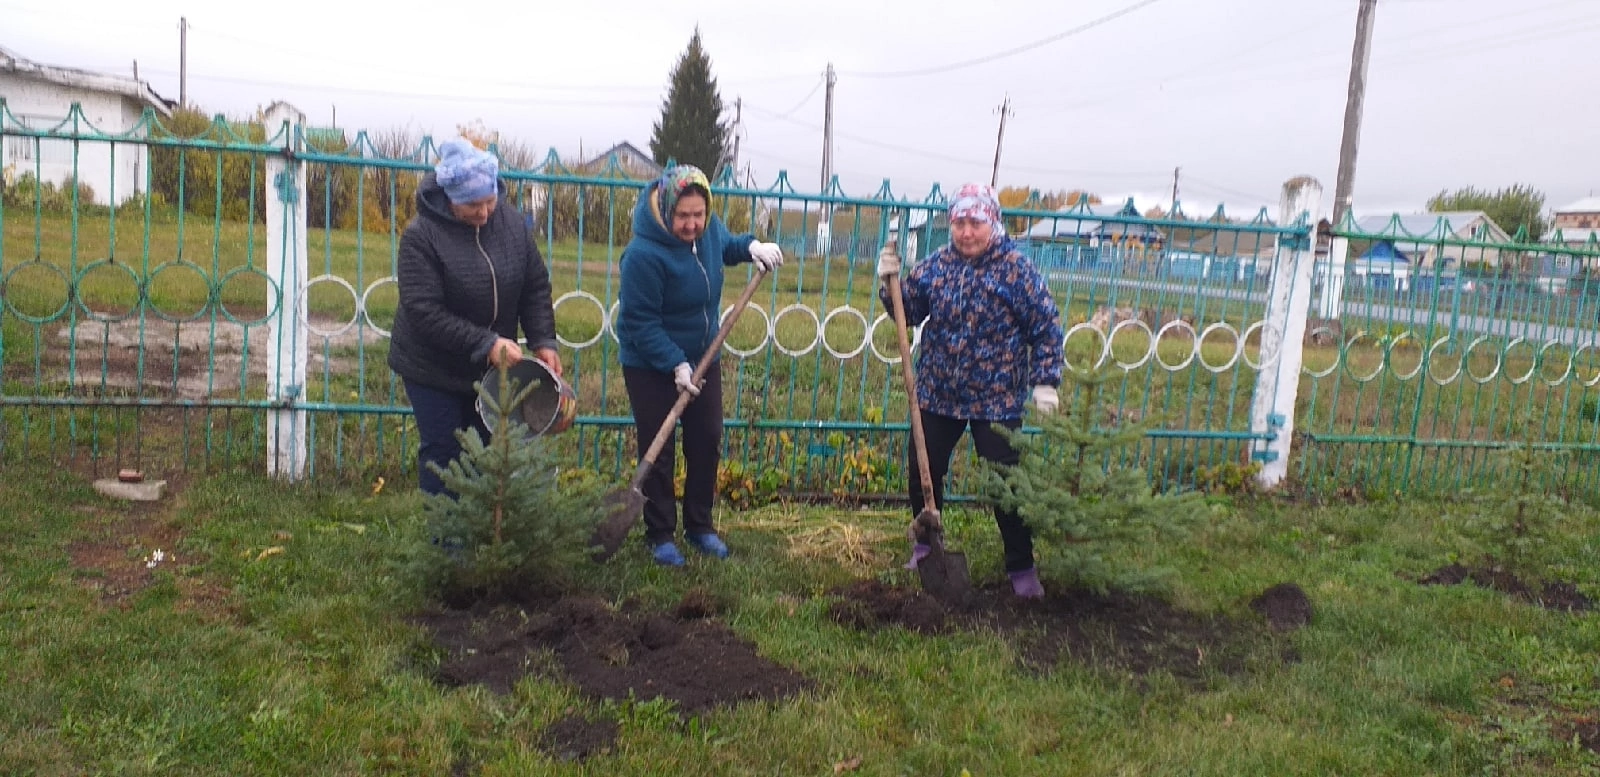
(1174, 209)
(1005, 110)
(825, 216)
(1359, 57)
(183, 62)
(738, 127)
(827, 130)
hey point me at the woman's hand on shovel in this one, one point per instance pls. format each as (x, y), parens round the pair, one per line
(888, 260)
(683, 375)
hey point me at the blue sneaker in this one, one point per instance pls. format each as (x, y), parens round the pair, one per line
(709, 544)
(667, 555)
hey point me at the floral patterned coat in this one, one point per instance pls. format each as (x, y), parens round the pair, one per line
(990, 331)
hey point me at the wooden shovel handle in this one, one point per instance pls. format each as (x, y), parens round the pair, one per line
(918, 441)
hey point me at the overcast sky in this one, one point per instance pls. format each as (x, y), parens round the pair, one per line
(1241, 94)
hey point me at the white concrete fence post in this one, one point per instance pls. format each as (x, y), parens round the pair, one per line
(288, 269)
(1284, 328)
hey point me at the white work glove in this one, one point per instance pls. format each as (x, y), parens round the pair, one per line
(765, 255)
(888, 261)
(683, 375)
(1045, 399)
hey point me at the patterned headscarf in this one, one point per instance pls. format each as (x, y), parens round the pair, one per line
(977, 202)
(677, 180)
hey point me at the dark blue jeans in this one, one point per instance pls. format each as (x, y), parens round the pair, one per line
(440, 414)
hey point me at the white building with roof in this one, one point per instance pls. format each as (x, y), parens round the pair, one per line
(40, 97)
(1577, 222)
(1424, 238)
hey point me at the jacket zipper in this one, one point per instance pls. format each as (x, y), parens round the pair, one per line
(494, 280)
(695, 248)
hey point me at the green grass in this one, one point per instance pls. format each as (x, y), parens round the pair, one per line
(232, 661)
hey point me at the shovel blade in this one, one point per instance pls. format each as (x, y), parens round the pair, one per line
(620, 511)
(943, 573)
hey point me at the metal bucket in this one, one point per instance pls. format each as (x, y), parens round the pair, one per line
(549, 408)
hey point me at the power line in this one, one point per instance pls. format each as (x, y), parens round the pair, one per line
(806, 99)
(380, 67)
(1299, 71)
(1008, 52)
(937, 156)
(415, 95)
(1215, 188)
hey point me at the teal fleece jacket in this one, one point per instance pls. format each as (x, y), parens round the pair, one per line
(671, 290)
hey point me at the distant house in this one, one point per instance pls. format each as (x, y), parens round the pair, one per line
(1384, 267)
(40, 97)
(1554, 272)
(1418, 236)
(1228, 254)
(1578, 224)
(1090, 236)
(1093, 226)
(627, 158)
(920, 232)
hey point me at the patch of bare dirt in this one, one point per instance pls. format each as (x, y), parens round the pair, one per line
(125, 544)
(120, 560)
(1125, 632)
(1583, 728)
(1550, 595)
(682, 656)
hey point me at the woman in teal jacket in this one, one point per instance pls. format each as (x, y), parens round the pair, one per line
(671, 300)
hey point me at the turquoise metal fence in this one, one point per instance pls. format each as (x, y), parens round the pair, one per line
(159, 331)
(1438, 345)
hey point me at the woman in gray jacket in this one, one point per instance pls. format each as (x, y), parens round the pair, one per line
(469, 272)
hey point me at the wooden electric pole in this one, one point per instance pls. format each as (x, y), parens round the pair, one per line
(1359, 57)
(738, 129)
(1005, 110)
(1171, 212)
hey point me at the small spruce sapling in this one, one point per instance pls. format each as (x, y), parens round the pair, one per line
(1078, 486)
(518, 523)
(1514, 528)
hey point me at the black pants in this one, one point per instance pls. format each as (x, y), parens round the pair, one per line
(942, 434)
(652, 394)
(440, 414)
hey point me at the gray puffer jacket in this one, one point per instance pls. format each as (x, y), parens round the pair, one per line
(461, 287)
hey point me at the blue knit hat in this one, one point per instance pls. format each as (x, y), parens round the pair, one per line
(465, 173)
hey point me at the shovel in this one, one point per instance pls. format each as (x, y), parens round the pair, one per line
(943, 573)
(623, 507)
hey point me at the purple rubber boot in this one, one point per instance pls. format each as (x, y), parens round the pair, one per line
(1026, 583)
(919, 551)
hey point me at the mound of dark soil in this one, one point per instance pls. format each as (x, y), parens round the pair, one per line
(683, 657)
(576, 738)
(1553, 596)
(1587, 731)
(1285, 606)
(1125, 632)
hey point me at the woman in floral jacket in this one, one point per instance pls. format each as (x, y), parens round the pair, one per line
(991, 338)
